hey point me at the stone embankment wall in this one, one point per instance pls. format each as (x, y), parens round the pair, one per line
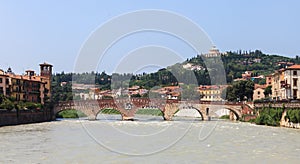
(16, 117)
(286, 123)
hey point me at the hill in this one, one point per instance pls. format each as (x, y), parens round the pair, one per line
(233, 64)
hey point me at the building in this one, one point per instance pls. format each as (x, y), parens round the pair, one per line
(211, 92)
(28, 87)
(269, 80)
(169, 92)
(258, 92)
(213, 52)
(247, 75)
(3, 83)
(286, 84)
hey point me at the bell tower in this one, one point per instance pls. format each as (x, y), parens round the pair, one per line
(46, 70)
(46, 73)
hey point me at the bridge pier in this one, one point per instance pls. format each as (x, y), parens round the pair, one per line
(92, 117)
(169, 111)
(124, 118)
(206, 118)
(232, 116)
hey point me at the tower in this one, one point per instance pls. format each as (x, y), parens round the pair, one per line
(46, 70)
(46, 73)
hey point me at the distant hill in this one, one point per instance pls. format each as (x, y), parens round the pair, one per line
(234, 64)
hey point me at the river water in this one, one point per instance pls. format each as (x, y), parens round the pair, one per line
(148, 140)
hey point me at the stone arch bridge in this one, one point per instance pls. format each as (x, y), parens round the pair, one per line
(128, 107)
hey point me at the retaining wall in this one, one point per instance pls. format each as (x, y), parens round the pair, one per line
(17, 117)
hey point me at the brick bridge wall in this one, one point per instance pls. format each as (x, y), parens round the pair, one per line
(92, 107)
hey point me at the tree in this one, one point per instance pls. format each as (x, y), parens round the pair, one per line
(268, 91)
(240, 90)
(6, 103)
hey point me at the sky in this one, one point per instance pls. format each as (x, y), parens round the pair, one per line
(54, 31)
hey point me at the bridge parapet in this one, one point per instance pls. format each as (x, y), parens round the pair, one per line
(278, 105)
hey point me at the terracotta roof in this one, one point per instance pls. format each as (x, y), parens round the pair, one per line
(260, 86)
(296, 66)
(210, 87)
(32, 78)
(171, 87)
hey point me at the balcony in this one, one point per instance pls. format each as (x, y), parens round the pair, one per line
(284, 85)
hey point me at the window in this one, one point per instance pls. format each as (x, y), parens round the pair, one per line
(0, 80)
(1, 90)
(295, 82)
(295, 73)
(295, 93)
(258, 92)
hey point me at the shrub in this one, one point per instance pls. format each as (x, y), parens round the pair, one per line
(7, 105)
(225, 117)
(269, 116)
(70, 113)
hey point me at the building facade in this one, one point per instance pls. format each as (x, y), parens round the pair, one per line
(286, 84)
(211, 92)
(258, 92)
(28, 87)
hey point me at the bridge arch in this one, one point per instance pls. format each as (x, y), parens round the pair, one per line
(114, 111)
(75, 114)
(190, 107)
(235, 112)
(149, 111)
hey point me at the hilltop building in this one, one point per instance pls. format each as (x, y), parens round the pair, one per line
(28, 87)
(213, 52)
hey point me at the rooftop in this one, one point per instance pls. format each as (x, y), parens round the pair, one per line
(45, 64)
(296, 66)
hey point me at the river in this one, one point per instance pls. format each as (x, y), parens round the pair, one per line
(148, 140)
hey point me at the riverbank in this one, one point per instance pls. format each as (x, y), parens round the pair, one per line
(278, 117)
(17, 117)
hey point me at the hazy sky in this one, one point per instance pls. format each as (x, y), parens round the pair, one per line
(34, 31)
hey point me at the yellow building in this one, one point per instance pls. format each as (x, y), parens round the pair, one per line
(211, 92)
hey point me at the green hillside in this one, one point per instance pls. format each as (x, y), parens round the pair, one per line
(236, 63)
